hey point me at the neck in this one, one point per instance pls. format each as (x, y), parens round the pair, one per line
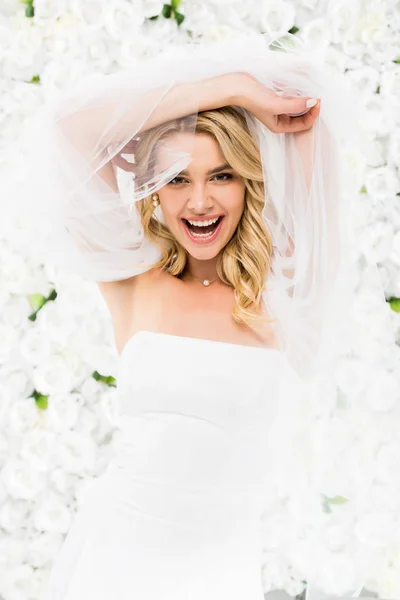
(202, 269)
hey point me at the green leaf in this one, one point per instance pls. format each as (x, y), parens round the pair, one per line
(166, 11)
(106, 379)
(37, 301)
(179, 17)
(41, 401)
(29, 11)
(363, 190)
(294, 30)
(337, 500)
(35, 79)
(395, 304)
(175, 5)
(397, 61)
(153, 18)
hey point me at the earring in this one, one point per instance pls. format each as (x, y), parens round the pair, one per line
(156, 199)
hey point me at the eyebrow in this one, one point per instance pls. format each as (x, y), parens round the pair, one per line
(223, 167)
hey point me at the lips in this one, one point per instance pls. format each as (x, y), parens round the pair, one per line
(203, 239)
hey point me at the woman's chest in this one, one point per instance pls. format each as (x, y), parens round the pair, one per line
(171, 307)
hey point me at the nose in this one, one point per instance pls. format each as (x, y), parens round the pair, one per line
(200, 200)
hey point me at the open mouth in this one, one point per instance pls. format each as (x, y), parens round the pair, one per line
(203, 233)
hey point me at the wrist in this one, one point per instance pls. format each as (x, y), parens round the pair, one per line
(241, 89)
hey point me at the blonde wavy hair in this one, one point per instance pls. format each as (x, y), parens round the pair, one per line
(245, 261)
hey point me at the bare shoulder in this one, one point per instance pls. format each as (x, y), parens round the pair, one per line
(119, 295)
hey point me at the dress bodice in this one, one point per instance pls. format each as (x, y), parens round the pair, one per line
(196, 413)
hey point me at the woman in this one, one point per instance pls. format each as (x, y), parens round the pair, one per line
(215, 259)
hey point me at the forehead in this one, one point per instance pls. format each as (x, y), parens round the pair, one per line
(204, 150)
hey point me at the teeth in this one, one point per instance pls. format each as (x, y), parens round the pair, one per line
(202, 235)
(203, 223)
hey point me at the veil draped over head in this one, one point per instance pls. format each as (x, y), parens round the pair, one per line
(90, 225)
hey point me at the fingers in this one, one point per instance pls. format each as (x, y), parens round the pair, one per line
(287, 124)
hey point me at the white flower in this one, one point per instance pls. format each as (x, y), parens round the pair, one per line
(76, 453)
(15, 515)
(383, 182)
(123, 19)
(152, 8)
(277, 17)
(21, 480)
(51, 514)
(377, 241)
(22, 416)
(63, 410)
(388, 460)
(12, 550)
(341, 16)
(394, 148)
(382, 390)
(21, 583)
(379, 529)
(62, 482)
(37, 449)
(315, 33)
(42, 549)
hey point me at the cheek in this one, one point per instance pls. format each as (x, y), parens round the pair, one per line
(172, 201)
(234, 200)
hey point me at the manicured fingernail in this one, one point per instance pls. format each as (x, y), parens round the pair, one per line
(311, 102)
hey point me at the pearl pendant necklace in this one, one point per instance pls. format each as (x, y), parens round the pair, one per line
(205, 282)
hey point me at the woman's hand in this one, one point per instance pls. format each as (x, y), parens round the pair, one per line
(272, 109)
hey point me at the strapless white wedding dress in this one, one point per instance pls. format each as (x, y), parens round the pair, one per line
(176, 516)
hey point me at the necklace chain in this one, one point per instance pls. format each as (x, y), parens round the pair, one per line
(205, 282)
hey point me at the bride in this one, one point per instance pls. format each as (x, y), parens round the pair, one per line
(210, 279)
(201, 194)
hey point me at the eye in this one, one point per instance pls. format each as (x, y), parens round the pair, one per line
(224, 176)
(177, 181)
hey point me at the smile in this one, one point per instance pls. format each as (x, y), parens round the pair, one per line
(203, 234)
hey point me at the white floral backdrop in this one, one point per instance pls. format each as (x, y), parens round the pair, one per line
(57, 357)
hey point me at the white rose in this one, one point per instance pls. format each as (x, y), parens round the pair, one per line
(12, 550)
(377, 241)
(51, 514)
(199, 18)
(378, 115)
(76, 453)
(350, 375)
(25, 55)
(152, 8)
(382, 390)
(15, 515)
(388, 460)
(92, 12)
(123, 19)
(277, 17)
(21, 583)
(59, 374)
(316, 34)
(382, 182)
(393, 148)
(341, 16)
(35, 346)
(390, 85)
(377, 529)
(37, 448)
(22, 481)
(49, 10)
(23, 415)
(62, 482)
(43, 548)
(15, 377)
(63, 410)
